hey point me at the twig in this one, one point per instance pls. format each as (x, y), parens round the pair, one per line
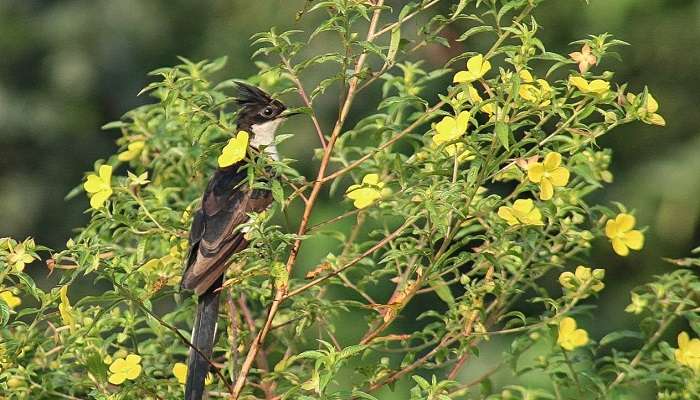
(281, 291)
(354, 261)
(306, 99)
(424, 118)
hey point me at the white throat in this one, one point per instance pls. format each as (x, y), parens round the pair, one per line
(264, 135)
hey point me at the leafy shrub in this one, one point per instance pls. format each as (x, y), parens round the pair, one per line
(468, 202)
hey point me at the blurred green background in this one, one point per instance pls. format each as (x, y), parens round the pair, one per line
(67, 67)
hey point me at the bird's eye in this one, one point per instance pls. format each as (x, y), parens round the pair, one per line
(267, 111)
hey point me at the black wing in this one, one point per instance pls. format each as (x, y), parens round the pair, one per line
(213, 236)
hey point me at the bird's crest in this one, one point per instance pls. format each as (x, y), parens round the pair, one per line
(251, 95)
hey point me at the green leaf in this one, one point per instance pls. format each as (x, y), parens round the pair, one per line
(442, 290)
(614, 336)
(502, 133)
(4, 313)
(473, 31)
(278, 192)
(459, 9)
(394, 44)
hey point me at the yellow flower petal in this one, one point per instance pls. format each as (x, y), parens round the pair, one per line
(93, 184)
(105, 173)
(566, 279)
(534, 217)
(462, 122)
(579, 338)
(525, 76)
(580, 83)
(133, 150)
(461, 77)
(656, 119)
(474, 95)
(65, 309)
(620, 247)
(132, 359)
(559, 176)
(117, 365)
(625, 222)
(117, 379)
(10, 299)
(599, 86)
(633, 239)
(364, 197)
(445, 129)
(133, 372)
(552, 160)
(180, 372)
(546, 189)
(544, 85)
(98, 199)
(507, 214)
(370, 179)
(535, 172)
(477, 66)
(652, 105)
(528, 92)
(234, 151)
(611, 229)
(583, 273)
(567, 325)
(569, 336)
(523, 206)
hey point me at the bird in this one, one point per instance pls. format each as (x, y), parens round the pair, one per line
(214, 235)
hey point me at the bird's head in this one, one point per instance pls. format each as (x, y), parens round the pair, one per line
(260, 114)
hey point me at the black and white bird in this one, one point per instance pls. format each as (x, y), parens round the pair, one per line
(226, 203)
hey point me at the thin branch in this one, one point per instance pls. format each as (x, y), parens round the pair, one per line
(328, 150)
(424, 118)
(307, 101)
(354, 261)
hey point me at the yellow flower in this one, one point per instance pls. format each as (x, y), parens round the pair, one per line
(65, 308)
(637, 305)
(581, 276)
(533, 91)
(523, 212)
(476, 68)
(180, 372)
(570, 337)
(100, 185)
(549, 174)
(622, 236)
(451, 129)
(19, 257)
(597, 86)
(647, 113)
(367, 192)
(125, 368)
(472, 95)
(138, 180)
(688, 352)
(235, 150)
(132, 151)
(10, 299)
(584, 58)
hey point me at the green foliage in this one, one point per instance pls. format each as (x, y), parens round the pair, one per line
(461, 208)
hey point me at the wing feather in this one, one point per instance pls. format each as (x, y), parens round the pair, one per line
(213, 236)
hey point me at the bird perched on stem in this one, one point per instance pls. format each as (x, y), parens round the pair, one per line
(214, 235)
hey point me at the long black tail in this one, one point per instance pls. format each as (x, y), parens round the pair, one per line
(203, 334)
